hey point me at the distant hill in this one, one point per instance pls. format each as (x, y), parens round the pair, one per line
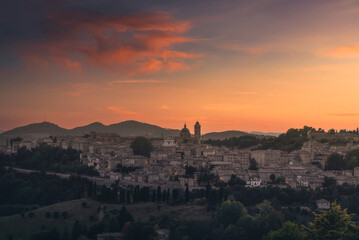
(223, 135)
(126, 128)
(234, 133)
(273, 134)
(36, 130)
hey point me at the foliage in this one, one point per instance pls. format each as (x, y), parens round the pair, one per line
(289, 230)
(140, 231)
(39, 189)
(334, 224)
(253, 164)
(336, 161)
(238, 142)
(49, 158)
(230, 212)
(125, 169)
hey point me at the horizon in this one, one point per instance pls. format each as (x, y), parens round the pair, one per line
(263, 66)
(203, 132)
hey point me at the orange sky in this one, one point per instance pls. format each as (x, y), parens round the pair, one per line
(250, 66)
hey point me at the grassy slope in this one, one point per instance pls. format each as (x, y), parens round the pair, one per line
(21, 228)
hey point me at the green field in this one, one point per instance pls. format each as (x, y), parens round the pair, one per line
(22, 228)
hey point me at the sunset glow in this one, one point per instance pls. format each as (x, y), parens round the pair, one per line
(232, 65)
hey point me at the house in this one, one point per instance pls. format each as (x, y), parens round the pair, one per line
(254, 182)
(323, 204)
(114, 236)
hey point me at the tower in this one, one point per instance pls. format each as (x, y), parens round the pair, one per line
(197, 132)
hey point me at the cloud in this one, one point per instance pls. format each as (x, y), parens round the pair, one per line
(249, 50)
(350, 51)
(79, 89)
(247, 93)
(149, 81)
(326, 68)
(344, 114)
(165, 107)
(121, 111)
(138, 43)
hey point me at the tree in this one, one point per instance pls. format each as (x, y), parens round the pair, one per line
(77, 230)
(230, 212)
(175, 194)
(335, 224)
(124, 217)
(159, 194)
(272, 177)
(142, 146)
(253, 164)
(186, 195)
(231, 233)
(140, 231)
(335, 161)
(289, 230)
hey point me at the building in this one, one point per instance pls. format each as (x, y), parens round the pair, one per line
(185, 136)
(114, 236)
(197, 133)
(323, 204)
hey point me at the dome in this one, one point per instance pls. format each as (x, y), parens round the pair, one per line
(185, 133)
(185, 129)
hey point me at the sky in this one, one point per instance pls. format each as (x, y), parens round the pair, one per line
(231, 65)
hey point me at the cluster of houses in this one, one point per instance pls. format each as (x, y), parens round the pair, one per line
(168, 163)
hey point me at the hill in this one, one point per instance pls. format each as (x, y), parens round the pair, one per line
(273, 134)
(21, 228)
(134, 128)
(223, 135)
(36, 130)
(126, 128)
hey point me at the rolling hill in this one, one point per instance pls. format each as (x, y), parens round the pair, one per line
(223, 135)
(125, 129)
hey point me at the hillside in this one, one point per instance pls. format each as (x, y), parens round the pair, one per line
(126, 128)
(223, 135)
(273, 134)
(23, 227)
(36, 129)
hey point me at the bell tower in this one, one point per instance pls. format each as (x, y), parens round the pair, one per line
(197, 132)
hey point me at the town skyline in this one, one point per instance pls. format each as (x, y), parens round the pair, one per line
(189, 125)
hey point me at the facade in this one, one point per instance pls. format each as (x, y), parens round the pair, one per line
(197, 132)
(323, 204)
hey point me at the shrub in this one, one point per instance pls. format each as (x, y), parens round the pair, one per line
(84, 204)
(56, 214)
(31, 214)
(65, 215)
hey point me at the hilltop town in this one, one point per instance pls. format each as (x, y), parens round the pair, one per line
(186, 160)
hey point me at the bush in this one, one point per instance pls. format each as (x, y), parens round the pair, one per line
(56, 214)
(31, 214)
(48, 215)
(84, 204)
(65, 215)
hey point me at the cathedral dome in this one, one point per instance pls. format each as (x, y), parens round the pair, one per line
(185, 129)
(185, 133)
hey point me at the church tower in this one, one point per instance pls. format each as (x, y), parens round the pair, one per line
(197, 132)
